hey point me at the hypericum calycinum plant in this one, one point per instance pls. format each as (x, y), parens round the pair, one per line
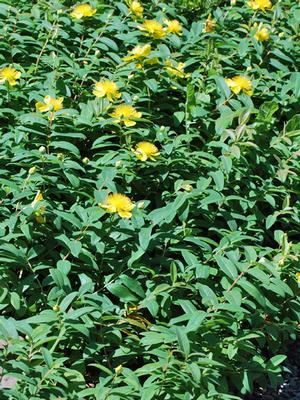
(149, 177)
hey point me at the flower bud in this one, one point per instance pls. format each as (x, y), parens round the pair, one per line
(118, 163)
(56, 308)
(60, 156)
(281, 262)
(118, 369)
(187, 187)
(141, 204)
(233, 2)
(135, 98)
(85, 160)
(42, 149)
(281, 34)
(32, 170)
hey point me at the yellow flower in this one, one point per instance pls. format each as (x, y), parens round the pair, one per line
(152, 28)
(38, 197)
(138, 52)
(262, 34)
(125, 113)
(107, 89)
(209, 25)
(10, 75)
(145, 150)
(260, 4)
(176, 70)
(83, 10)
(136, 8)
(240, 83)
(173, 26)
(298, 277)
(118, 203)
(50, 104)
(39, 217)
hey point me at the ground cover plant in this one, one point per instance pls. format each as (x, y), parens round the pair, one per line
(149, 177)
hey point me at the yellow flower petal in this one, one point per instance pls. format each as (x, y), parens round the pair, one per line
(128, 122)
(42, 107)
(125, 214)
(38, 197)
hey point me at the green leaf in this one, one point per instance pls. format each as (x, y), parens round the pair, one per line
(208, 296)
(15, 300)
(124, 294)
(178, 117)
(277, 360)
(218, 178)
(173, 272)
(56, 145)
(222, 86)
(227, 267)
(152, 84)
(183, 341)
(144, 237)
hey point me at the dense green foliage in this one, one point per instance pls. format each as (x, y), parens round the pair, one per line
(190, 5)
(196, 295)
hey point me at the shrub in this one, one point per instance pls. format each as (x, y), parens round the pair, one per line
(149, 199)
